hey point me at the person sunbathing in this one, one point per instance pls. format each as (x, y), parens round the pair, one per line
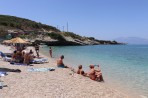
(31, 55)
(83, 73)
(19, 58)
(80, 71)
(92, 73)
(60, 63)
(26, 58)
(99, 76)
(23, 54)
(14, 56)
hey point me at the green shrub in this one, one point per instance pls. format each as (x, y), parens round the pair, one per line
(22, 36)
(71, 34)
(21, 23)
(56, 36)
(91, 38)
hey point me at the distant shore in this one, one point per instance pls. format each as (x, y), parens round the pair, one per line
(61, 83)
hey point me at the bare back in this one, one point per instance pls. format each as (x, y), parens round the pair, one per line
(92, 74)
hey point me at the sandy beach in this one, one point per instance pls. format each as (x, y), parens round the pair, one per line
(61, 83)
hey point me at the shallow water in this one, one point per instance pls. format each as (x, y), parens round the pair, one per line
(124, 66)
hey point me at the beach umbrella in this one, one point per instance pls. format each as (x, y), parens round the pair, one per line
(18, 40)
(6, 41)
(19, 43)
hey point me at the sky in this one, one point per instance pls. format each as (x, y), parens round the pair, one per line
(101, 19)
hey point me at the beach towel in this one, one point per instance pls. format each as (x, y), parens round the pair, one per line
(2, 73)
(39, 61)
(19, 64)
(40, 69)
(2, 85)
(2, 54)
(5, 58)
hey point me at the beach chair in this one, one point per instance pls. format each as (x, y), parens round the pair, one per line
(4, 57)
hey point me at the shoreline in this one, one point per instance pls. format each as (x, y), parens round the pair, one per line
(109, 85)
(54, 84)
(113, 76)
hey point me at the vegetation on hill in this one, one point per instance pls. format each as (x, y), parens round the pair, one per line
(35, 31)
(56, 36)
(71, 34)
(9, 22)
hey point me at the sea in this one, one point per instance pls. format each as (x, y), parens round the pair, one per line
(124, 67)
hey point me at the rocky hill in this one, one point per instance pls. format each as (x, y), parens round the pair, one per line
(42, 33)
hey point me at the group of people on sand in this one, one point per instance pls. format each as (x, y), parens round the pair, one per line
(23, 56)
(93, 73)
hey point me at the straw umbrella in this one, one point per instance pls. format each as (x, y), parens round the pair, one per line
(18, 41)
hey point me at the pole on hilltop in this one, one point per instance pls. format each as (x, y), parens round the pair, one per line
(67, 26)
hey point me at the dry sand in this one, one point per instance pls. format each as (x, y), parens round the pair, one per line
(60, 83)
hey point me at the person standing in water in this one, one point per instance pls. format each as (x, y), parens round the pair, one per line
(37, 49)
(50, 52)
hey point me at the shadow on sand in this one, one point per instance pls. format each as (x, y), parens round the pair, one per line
(10, 70)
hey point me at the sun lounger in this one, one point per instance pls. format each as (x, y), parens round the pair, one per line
(40, 69)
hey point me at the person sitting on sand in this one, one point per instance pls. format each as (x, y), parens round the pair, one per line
(60, 63)
(19, 58)
(92, 73)
(23, 54)
(31, 56)
(99, 76)
(28, 57)
(80, 71)
(83, 73)
(14, 56)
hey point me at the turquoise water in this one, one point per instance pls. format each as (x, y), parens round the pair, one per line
(125, 66)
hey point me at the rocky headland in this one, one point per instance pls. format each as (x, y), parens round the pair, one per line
(36, 32)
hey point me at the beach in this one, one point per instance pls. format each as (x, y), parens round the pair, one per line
(61, 83)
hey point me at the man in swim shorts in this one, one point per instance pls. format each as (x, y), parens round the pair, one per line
(60, 63)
